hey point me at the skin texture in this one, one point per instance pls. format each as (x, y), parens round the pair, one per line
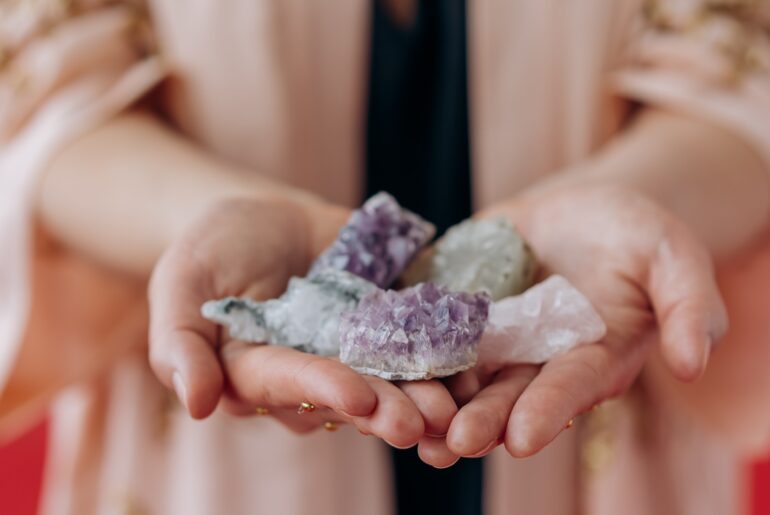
(635, 228)
(219, 256)
(195, 236)
(642, 254)
(657, 272)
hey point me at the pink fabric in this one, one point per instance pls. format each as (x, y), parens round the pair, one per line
(279, 88)
(76, 106)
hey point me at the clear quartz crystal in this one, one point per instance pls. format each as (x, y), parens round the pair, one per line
(547, 320)
(417, 333)
(305, 317)
(378, 242)
(483, 255)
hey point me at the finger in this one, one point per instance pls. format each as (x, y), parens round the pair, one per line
(435, 452)
(273, 376)
(687, 303)
(463, 386)
(297, 423)
(434, 403)
(307, 423)
(479, 425)
(565, 387)
(181, 342)
(396, 419)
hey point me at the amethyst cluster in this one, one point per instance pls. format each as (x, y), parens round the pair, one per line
(378, 242)
(417, 333)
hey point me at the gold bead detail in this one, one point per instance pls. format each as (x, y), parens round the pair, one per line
(306, 407)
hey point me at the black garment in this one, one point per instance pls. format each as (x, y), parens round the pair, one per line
(418, 150)
(417, 131)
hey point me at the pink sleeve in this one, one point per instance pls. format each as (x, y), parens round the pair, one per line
(707, 59)
(65, 67)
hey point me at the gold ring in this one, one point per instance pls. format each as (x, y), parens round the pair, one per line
(305, 407)
(262, 411)
(330, 426)
(570, 423)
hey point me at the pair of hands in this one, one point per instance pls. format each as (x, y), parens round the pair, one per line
(641, 268)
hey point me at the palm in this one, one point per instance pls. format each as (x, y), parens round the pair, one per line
(250, 248)
(641, 269)
(219, 255)
(604, 243)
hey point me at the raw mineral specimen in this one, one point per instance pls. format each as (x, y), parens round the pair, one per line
(417, 333)
(377, 243)
(305, 317)
(483, 255)
(546, 320)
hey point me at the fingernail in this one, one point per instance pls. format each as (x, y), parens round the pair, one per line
(446, 466)
(717, 328)
(399, 447)
(487, 449)
(483, 451)
(706, 355)
(179, 388)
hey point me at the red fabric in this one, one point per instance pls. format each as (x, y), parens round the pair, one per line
(21, 471)
(760, 487)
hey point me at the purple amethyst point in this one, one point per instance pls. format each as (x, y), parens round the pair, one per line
(378, 242)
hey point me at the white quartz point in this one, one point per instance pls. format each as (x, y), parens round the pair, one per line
(305, 317)
(547, 320)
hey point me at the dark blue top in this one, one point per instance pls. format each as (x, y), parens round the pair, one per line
(418, 150)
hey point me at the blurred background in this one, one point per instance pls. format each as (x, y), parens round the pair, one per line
(23, 460)
(22, 463)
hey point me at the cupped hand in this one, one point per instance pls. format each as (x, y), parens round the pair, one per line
(248, 247)
(642, 269)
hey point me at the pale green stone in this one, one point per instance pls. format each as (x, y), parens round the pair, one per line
(483, 255)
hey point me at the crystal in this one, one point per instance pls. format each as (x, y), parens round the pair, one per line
(378, 242)
(305, 317)
(547, 320)
(417, 333)
(483, 255)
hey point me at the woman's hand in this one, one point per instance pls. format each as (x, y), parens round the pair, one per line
(251, 248)
(641, 268)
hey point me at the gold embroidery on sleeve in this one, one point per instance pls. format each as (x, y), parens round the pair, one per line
(739, 30)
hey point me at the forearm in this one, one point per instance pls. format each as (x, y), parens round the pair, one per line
(123, 192)
(705, 175)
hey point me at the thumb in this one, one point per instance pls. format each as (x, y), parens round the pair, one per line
(689, 309)
(182, 344)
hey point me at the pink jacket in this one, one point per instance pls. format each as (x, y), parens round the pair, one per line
(279, 87)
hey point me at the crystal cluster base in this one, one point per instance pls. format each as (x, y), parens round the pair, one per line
(417, 333)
